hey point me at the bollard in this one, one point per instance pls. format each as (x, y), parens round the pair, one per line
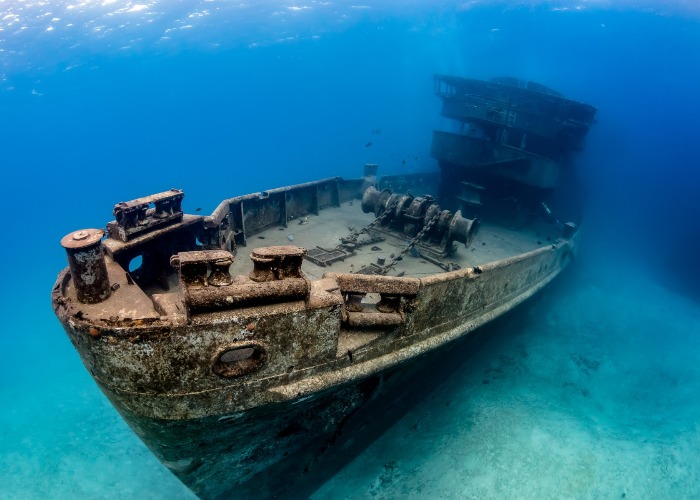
(87, 265)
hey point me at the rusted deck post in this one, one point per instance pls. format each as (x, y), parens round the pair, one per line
(87, 265)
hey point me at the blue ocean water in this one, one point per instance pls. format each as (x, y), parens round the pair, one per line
(590, 390)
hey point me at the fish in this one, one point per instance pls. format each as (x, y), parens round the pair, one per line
(368, 144)
(376, 131)
(198, 209)
(403, 162)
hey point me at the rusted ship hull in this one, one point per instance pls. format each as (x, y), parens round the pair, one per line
(240, 378)
(257, 437)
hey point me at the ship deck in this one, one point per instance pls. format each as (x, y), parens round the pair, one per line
(492, 242)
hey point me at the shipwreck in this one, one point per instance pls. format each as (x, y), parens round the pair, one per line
(241, 346)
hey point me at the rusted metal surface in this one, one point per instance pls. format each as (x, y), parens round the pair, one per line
(87, 265)
(509, 131)
(135, 217)
(430, 228)
(219, 345)
(396, 298)
(326, 256)
(206, 285)
(239, 372)
(247, 293)
(277, 263)
(124, 359)
(390, 285)
(516, 104)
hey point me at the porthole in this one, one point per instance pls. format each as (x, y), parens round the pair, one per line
(238, 360)
(135, 263)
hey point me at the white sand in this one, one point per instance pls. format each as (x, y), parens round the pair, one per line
(590, 391)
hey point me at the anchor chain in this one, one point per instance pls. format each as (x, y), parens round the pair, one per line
(354, 235)
(411, 244)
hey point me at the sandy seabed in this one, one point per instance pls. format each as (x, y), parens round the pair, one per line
(589, 390)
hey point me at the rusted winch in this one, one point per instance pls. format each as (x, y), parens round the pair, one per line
(411, 215)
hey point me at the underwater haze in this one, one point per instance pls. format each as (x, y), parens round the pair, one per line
(589, 390)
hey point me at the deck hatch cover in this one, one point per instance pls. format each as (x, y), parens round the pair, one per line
(324, 257)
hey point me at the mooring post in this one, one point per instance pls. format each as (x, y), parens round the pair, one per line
(86, 261)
